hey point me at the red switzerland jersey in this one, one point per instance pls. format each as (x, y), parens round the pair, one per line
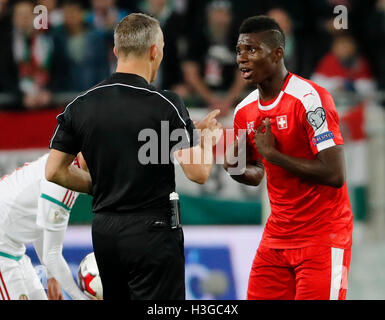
(304, 121)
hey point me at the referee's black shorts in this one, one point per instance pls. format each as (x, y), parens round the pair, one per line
(139, 256)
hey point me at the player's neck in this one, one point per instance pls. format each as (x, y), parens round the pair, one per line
(272, 86)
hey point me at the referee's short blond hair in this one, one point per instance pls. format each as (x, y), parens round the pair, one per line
(135, 34)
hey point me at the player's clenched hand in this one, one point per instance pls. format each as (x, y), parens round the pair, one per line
(264, 139)
(53, 290)
(210, 127)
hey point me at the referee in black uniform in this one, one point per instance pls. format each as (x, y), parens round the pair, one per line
(126, 129)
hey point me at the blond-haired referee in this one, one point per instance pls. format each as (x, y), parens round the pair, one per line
(127, 130)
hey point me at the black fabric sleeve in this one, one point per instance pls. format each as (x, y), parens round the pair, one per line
(181, 125)
(64, 137)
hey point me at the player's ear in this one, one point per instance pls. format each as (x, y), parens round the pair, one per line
(278, 54)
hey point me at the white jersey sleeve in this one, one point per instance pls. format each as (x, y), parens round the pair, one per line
(54, 206)
(56, 265)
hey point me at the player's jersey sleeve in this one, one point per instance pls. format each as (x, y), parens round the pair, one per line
(64, 138)
(54, 206)
(319, 117)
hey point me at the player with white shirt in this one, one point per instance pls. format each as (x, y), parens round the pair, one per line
(33, 210)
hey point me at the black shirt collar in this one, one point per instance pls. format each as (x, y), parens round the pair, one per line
(129, 78)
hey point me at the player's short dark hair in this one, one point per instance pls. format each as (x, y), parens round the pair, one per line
(275, 37)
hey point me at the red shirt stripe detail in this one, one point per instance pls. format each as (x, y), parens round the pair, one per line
(68, 198)
(65, 196)
(5, 288)
(72, 201)
(1, 292)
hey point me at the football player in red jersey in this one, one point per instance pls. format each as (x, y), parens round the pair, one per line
(293, 136)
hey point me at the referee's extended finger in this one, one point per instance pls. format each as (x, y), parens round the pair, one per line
(213, 114)
(213, 122)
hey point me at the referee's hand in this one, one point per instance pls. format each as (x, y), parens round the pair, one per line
(208, 120)
(210, 127)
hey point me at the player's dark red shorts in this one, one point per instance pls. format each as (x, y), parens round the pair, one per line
(311, 273)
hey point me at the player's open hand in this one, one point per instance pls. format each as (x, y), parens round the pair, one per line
(264, 139)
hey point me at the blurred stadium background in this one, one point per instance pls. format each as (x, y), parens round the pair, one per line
(42, 70)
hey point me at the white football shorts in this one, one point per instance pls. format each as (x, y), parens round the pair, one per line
(18, 279)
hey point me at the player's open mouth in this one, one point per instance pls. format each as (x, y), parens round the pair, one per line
(246, 73)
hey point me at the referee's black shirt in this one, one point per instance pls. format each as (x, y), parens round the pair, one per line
(121, 127)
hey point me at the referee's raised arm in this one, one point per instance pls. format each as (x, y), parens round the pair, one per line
(128, 132)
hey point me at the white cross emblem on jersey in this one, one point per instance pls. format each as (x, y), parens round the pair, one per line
(282, 122)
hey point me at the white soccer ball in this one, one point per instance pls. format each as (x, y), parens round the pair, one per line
(88, 277)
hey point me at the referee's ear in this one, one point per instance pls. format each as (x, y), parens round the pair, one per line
(153, 52)
(115, 52)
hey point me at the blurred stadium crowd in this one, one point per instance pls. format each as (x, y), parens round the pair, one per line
(47, 68)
